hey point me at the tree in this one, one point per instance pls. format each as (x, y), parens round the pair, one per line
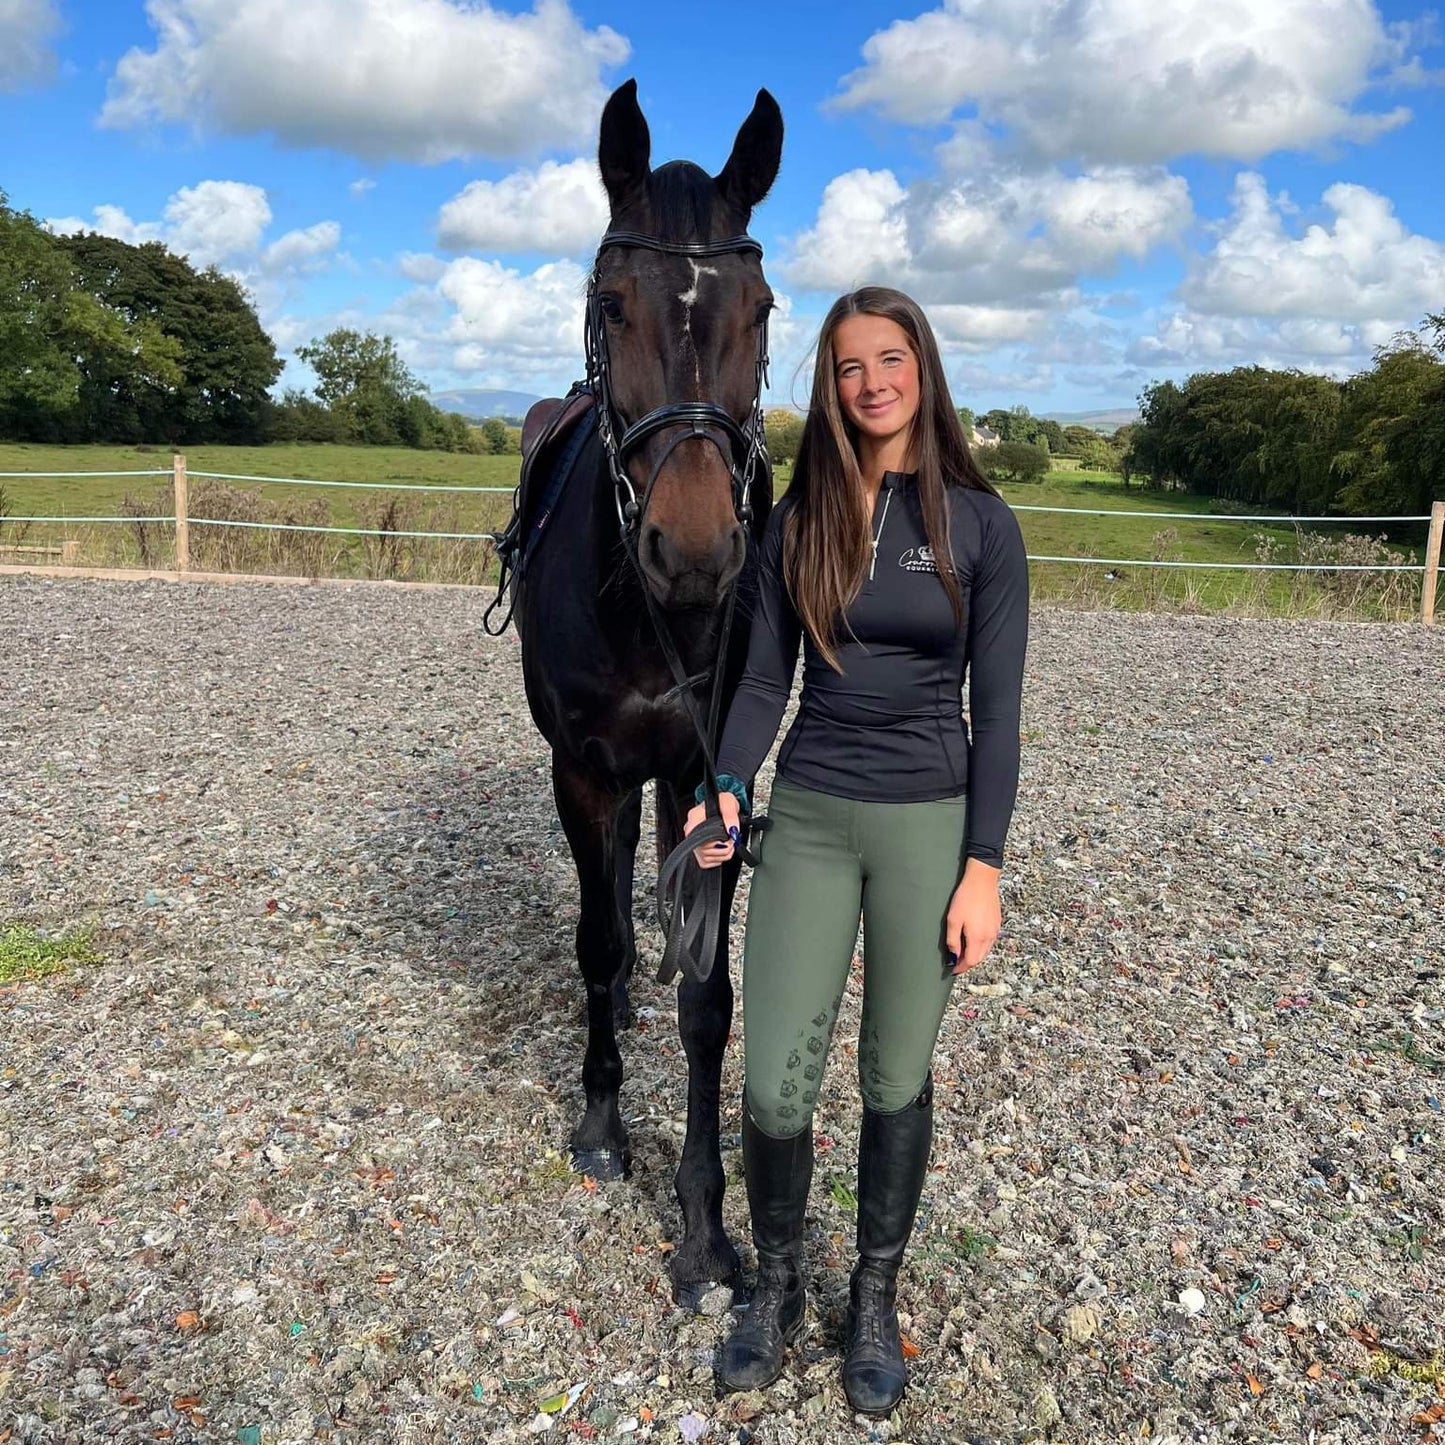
(54, 333)
(36, 371)
(783, 431)
(1000, 422)
(965, 415)
(1393, 425)
(496, 436)
(1016, 424)
(362, 376)
(227, 362)
(299, 417)
(1016, 461)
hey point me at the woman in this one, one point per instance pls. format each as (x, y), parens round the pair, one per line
(897, 566)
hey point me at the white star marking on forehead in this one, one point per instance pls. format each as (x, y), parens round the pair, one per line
(689, 299)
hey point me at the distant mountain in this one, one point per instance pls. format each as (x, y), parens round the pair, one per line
(481, 404)
(1102, 421)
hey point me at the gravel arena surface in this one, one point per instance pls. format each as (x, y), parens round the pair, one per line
(288, 1165)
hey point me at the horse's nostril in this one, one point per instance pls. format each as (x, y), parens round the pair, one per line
(654, 549)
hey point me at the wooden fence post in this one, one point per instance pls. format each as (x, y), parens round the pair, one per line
(1432, 564)
(183, 526)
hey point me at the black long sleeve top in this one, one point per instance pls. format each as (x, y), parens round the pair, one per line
(890, 727)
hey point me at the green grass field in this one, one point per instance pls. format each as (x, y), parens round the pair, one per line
(1201, 537)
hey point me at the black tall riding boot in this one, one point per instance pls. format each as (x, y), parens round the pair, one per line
(892, 1161)
(778, 1172)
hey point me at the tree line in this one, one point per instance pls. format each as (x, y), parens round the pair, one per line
(1373, 444)
(104, 341)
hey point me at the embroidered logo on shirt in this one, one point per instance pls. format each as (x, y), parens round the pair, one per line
(918, 559)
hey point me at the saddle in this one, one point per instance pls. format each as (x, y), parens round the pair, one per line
(554, 432)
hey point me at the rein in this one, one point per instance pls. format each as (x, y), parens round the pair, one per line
(689, 899)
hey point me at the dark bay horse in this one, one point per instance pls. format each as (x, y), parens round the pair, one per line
(678, 310)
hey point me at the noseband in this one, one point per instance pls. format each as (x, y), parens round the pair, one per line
(746, 444)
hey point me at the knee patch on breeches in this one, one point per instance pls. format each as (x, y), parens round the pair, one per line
(883, 1097)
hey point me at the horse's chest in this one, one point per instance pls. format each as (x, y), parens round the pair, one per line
(632, 736)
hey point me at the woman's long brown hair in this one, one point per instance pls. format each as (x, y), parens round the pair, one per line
(826, 541)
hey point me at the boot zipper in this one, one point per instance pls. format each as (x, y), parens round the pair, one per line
(887, 495)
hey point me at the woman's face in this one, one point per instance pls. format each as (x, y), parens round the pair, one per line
(876, 373)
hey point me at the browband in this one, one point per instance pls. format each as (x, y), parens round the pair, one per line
(681, 248)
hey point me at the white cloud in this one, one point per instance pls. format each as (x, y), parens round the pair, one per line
(557, 210)
(1321, 296)
(223, 223)
(303, 251)
(1111, 212)
(108, 221)
(418, 80)
(211, 222)
(217, 220)
(503, 320)
(1190, 341)
(860, 234)
(27, 28)
(982, 328)
(1360, 266)
(421, 266)
(1136, 82)
(361, 186)
(975, 382)
(994, 255)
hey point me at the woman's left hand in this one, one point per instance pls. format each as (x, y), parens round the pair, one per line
(974, 916)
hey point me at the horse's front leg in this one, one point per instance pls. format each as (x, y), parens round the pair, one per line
(705, 1257)
(589, 818)
(626, 833)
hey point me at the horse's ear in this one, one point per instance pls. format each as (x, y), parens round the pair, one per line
(624, 147)
(757, 152)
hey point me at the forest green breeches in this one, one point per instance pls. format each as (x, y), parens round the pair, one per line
(824, 862)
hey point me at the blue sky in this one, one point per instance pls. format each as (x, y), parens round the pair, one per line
(1086, 196)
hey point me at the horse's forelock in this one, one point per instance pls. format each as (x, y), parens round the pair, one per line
(686, 205)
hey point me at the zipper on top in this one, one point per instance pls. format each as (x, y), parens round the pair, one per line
(878, 536)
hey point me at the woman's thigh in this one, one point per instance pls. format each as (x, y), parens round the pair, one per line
(913, 860)
(803, 910)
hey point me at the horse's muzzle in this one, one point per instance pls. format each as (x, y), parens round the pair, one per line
(687, 577)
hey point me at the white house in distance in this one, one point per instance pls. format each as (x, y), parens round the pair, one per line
(982, 436)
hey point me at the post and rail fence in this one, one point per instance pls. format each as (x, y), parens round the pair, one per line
(183, 521)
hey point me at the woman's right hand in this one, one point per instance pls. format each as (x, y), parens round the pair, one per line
(714, 855)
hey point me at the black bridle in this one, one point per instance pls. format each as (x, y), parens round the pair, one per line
(689, 899)
(699, 418)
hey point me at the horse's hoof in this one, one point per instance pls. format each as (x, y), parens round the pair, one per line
(603, 1165)
(710, 1297)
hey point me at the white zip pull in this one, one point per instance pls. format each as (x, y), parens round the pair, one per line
(887, 497)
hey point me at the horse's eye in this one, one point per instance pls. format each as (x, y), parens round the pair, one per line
(764, 309)
(611, 308)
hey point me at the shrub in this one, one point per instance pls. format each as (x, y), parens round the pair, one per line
(1015, 462)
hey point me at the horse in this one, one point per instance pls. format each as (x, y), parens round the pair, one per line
(629, 610)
